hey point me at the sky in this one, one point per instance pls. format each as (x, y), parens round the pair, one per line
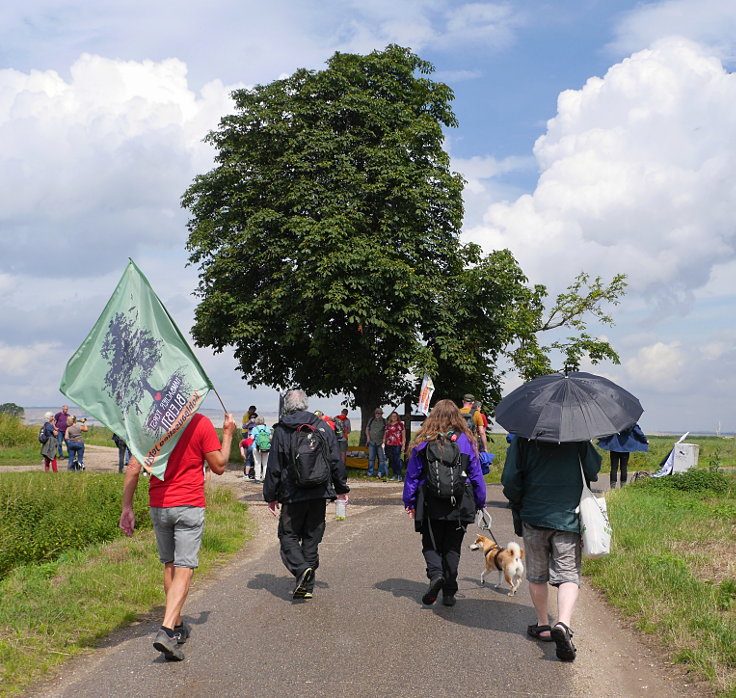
(594, 135)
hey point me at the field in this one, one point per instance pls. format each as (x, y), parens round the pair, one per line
(672, 569)
(70, 577)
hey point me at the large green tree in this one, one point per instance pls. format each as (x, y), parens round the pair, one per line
(328, 242)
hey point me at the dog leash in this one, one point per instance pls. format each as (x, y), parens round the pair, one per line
(483, 520)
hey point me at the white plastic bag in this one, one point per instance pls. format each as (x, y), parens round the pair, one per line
(595, 529)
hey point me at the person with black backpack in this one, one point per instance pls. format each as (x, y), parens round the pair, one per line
(304, 471)
(443, 490)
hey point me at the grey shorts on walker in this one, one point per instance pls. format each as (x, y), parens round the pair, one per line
(178, 534)
(551, 556)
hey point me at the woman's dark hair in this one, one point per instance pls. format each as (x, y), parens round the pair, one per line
(445, 416)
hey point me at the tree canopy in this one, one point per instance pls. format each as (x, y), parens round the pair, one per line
(328, 241)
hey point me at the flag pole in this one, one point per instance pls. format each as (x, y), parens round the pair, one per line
(220, 399)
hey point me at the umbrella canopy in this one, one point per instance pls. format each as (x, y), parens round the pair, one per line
(568, 407)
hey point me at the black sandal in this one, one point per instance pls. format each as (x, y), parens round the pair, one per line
(536, 631)
(562, 635)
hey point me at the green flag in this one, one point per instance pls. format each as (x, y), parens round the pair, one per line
(136, 373)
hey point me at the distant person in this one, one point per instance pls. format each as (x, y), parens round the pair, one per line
(441, 519)
(474, 420)
(261, 435)
(543, 482)
(123, 452)
(343, 439)
(250, 467)
(374, 433)
(48, 447)
(620, 447)
(75, 442)
(61, 421)
(394, 441)
(248, 417)
(302, 517)
(245, 446)
(177, 511)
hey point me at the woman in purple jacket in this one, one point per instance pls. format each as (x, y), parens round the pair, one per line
(443, 521)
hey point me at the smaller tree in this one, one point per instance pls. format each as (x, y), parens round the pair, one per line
(12, 409)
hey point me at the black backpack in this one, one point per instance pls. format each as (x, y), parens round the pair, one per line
(308, 464)
(444, 471)
(470, 420)
(43, 435)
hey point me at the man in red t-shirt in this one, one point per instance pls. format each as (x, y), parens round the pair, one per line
(177, 511)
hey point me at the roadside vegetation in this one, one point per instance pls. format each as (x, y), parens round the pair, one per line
(76, 592)
(672, 570)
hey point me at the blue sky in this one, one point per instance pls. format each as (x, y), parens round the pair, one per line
(594, 135)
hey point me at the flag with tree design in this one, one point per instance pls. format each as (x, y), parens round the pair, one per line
(136, 373)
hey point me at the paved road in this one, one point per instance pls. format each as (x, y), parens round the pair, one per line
(365, 632)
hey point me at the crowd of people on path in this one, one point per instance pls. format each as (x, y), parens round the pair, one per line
(302, 467)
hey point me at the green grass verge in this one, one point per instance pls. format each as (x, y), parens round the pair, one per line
(53, 611)
(672, 569)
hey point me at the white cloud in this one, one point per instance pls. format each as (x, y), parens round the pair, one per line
(636, 178)
(657, 366)
(93, 167)
(711, 22)
(21, 361)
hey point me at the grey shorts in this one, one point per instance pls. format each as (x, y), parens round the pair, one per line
(551, 556)
(178, 534)
(343, 446)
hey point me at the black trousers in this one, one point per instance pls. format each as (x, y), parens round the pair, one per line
(622, 459)
(301, 527)
(441, 545)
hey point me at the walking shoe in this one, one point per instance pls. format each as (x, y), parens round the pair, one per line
(562, 636)
(448, 599)
(430, 596)
(168, 646)
(308, 595)
(181, 633)
(302, 583)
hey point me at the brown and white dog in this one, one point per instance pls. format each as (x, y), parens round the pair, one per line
(508, 561)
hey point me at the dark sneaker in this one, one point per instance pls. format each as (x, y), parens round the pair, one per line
(181, 633)
(430, 596)
(562, 636)
(302, 583)
(448, 599)
(308, 595)
(168, 646)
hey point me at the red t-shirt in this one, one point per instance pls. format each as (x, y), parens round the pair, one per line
(184, 477)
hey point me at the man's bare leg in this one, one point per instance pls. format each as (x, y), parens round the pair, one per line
(176, 586)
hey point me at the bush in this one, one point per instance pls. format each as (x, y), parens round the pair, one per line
(43, 514)
(690, 481)
(14, 433)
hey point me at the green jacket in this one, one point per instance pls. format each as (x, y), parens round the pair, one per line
(542, 481)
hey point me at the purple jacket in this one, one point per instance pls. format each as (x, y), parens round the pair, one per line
(413, 479)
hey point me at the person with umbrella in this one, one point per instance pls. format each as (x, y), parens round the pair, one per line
(554, 418)
(621, 446)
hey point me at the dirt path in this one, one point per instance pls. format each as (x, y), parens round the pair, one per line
(96, 458)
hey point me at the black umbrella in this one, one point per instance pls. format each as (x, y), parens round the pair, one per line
(568, 407)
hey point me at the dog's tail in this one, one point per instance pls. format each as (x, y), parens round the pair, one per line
(515, 550)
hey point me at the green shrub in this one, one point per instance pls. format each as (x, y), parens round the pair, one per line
(690, 481)
(14, 433)
(44, 514)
